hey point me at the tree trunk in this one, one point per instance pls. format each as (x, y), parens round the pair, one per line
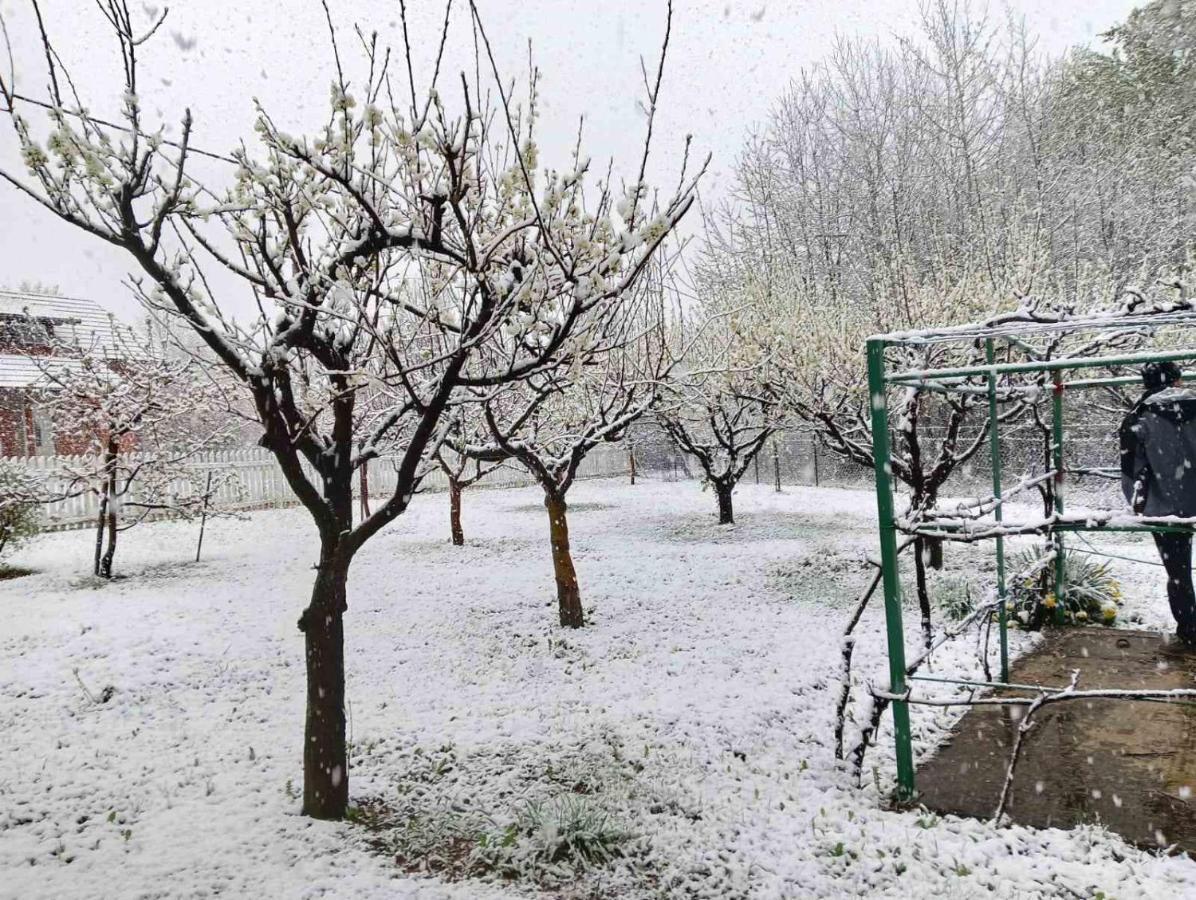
(1048, 486)
(108, 512)
(365, 490)
(726, 511)
(923, 592)
(921, 498)
(101, 519)
(935, 546)
(455, 512)
(631, 463)
(325, 763)
(110, 552)
(568, 594)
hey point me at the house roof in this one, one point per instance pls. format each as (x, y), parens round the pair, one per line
(90, 323)
(18, 371)
(77, 320)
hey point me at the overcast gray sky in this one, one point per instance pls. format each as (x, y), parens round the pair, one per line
(728, 62)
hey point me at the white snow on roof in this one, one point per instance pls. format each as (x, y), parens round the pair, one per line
(82, 320)
(18, 371)
(76, 320)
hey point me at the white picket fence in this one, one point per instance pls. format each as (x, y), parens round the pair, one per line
(258, 482)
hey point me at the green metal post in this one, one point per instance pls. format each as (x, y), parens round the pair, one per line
(994, 451)
(1057, 462)
(888, 559)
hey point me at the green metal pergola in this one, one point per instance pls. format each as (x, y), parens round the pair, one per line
(1012, 336)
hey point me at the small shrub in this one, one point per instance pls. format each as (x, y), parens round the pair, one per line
(562, 835)
(548, 822)
(1091, 595)
(573, 829)
(19, 519)
(956, 596)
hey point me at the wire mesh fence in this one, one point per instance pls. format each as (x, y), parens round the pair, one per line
(798, 458)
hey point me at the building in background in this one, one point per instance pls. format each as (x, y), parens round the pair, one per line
(34, 324)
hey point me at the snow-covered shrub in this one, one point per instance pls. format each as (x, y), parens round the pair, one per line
(554, 837)
(520, 815)
(1091, 595)
(19, 519)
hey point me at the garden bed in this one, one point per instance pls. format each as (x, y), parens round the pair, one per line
(1127, 765)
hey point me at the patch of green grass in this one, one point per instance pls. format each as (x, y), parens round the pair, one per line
(558, 816)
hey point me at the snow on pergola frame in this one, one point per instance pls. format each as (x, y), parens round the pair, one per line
(984, 519)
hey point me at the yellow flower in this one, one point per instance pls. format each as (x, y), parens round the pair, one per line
(1082, 616)
(1109, 613)
(1050, 602)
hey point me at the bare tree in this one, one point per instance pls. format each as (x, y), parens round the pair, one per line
(323, 235)
(462, 471)
(720, 412)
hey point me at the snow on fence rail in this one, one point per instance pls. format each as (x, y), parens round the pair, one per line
(259, 484)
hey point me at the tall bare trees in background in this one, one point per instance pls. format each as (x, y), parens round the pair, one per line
(1119, 143)
(325, 234)
(952, 177)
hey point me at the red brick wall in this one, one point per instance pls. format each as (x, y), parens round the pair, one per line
(17, 432)
(12, 430)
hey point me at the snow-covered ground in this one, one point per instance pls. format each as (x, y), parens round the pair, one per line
(695, 711)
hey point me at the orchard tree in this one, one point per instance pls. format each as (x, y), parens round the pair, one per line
(460, 470)
(822, 382)
(137, 416)
(720, 410)
(549, 423)
(319, 235)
